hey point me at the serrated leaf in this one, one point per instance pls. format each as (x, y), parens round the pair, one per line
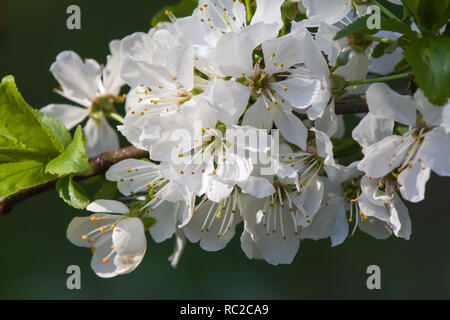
(182, 9)
(58, 129)
(20, 121)
(22, 175)
(72, 193)
(73, 160)
(430, 60)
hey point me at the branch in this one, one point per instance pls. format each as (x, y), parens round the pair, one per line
(102, 162)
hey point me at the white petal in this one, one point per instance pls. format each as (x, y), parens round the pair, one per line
(133, 176)
(269, 11)
(229, 99)
(112, 80)
(210, 237)
(81, 226)
(399, 219)
(234, 55)
(257, 187)
(258, 116)
(379, 158)
(282, 53)
(300, 93)
(372, 129)
(435, 151)
(218, 190)
(100, 138)
(310, 198)
(431, 113)
(329, 11)
(387, 104)
(167, 217)
(330, 123)
(386, 63)
(329, 222)
(67, 114)
(446, 118)
(136, 72)
(330, 47)
(324, 147)
(78, 79)
(107, 206)
(128, 237)
(292, 128)
(180, 244)
(412, 182)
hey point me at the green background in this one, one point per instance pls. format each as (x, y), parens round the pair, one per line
(34, 252)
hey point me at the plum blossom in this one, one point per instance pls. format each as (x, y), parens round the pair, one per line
(95, 89)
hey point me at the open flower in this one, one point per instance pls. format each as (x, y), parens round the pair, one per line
(171, 208)
(93, 88)
(273, 224)
(116, 240)
(423, 147)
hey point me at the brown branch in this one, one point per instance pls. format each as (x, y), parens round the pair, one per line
(100, 164)
(354, 103)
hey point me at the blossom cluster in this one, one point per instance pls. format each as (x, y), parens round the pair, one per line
(238, 117)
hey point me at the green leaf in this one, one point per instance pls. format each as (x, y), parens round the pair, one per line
(21, 123)
(402, 65)
(58, 129)
(72, 193)
(182, 9)
(148, 222)
(21, 175)
(108, 189)
(360, 26)
(379, 49)
(430, 61)
(429, 15)
(73, 160)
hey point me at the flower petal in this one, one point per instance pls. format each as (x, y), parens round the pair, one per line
(67, 114)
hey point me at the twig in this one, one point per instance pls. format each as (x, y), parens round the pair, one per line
(101, 163)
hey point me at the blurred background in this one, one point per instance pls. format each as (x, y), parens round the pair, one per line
(34, 252)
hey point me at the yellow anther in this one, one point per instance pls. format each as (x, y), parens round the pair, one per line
(105, 260)
(93, 249)
(93, 219)
(84, 237)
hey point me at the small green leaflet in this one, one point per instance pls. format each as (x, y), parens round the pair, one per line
(430, 60)
(72, 193)
(73, 160)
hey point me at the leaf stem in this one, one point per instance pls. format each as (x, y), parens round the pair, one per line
(381, 79)
(386, 11)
